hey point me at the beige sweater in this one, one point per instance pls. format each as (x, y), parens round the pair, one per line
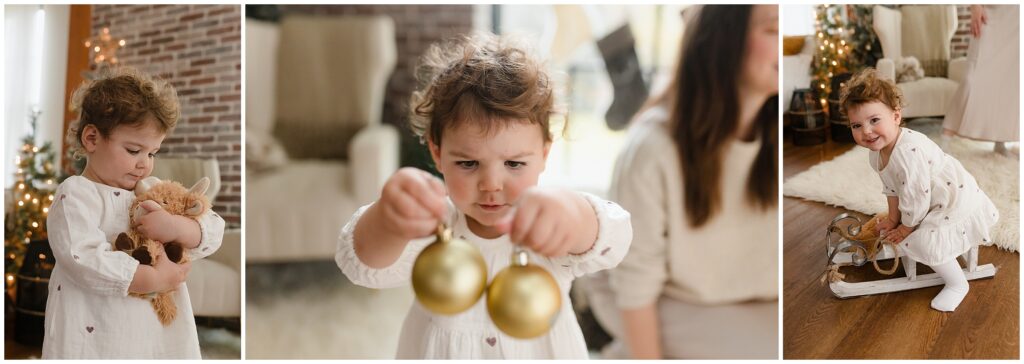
(731, 258)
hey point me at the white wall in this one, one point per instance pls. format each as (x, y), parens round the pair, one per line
(35, 69)
(798, 19)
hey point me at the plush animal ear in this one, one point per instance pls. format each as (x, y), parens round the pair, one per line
(195, 209)
(200, 186)
(145, 184)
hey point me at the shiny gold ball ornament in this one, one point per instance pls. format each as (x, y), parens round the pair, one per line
(523, 299)
(450, 275)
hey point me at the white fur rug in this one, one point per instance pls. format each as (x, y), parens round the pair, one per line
(848, 181)
(316, 313)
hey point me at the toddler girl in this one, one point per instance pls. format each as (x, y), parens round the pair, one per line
(936, 209)
(124, 116)
(484, 113)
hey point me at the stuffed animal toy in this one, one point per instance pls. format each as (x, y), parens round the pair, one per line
(909, 69)
(867, 235)
(177, 200)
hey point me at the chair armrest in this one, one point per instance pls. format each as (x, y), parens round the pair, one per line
(373, 157)
(887, 67)
(957, 69)
(230, 251)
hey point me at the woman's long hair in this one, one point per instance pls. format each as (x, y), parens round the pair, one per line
(705, 112)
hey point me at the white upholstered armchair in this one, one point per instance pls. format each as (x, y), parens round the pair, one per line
(316, 148)
(925, 32)
(215, 282)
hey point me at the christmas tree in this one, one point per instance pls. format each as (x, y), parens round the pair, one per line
(846, 43)
(832, 56)
(34, 182)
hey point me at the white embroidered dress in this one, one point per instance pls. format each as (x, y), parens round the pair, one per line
(938, 196)
(471, 334)
(89, 314)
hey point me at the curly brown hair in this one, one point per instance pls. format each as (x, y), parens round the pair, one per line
(121, 96)
(869, 86)
(484, 79)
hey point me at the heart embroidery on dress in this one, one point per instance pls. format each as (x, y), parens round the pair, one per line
(206, 248)
(89, 329)
(117, 193)
(58, 287)
(491, 341)
(75, 256)
(605, 251)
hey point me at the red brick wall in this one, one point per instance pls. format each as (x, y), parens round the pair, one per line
(963, 32)
(198, 49)
(416, 28)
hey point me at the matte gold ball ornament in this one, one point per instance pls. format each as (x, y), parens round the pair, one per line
(523, 299)
(450, 275)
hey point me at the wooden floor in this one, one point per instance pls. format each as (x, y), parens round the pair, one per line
(901, 325)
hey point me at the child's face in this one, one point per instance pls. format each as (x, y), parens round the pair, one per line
(874, 125)
(761, 63)
(486, 172)
(123, 158)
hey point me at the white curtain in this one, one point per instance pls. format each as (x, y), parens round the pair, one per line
(35, 69)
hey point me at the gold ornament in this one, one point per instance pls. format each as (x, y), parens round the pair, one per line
(523, 299)
(450, 275)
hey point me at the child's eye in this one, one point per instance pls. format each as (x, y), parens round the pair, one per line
(132, 152)
(466, 164)
(855, 126)
(874, 120)
(515, 164)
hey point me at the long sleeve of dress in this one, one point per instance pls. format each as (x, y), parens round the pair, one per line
(638, 187)
(915, 183)
(614, 234)
(80, 246)
(212, 227)
(395, 275)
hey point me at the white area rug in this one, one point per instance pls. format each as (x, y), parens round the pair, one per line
(848, 181)
(311, 311)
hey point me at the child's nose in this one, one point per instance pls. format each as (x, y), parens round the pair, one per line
(490, 181)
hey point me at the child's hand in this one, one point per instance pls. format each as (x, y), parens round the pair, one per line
(552, 222)
(170, 275)
(884, 225)
(898, 234)
(158, 224)
(412, 203)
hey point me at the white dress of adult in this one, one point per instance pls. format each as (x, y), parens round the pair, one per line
(987, 104)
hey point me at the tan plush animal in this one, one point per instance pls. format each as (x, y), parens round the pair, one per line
(868, 233)
(177, 200)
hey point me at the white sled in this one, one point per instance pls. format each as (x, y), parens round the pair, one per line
(839, 253)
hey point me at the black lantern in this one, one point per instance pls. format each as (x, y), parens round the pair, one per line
(806, 118)
(32, 282)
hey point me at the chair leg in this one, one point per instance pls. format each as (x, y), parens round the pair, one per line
(910, 266)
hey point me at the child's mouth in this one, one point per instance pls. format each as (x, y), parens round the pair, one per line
(490, 208)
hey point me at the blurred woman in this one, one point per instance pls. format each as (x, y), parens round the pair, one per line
(699, 175)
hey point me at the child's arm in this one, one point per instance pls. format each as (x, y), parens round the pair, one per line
(80, 247)
(410, 206)
(893, 220)
(202, 237)
(578, 231)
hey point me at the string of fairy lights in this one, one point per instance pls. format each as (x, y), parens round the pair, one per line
(831, 57)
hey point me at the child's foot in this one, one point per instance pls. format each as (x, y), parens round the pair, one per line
(956, 286)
